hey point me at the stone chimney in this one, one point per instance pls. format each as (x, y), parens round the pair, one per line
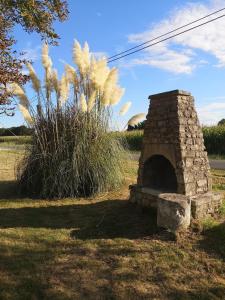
(173, 138)
(173, 157)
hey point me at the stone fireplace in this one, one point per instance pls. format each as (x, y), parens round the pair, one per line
(159, 174)
(173, 157)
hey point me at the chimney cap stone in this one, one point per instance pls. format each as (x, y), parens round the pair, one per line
(170, 93)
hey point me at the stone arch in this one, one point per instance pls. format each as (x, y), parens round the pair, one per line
(159, 173)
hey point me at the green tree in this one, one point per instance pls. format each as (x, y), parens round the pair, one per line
(221, 122)
(139, 126)
(34, 16)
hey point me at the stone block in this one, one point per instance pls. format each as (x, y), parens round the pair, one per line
(202, 182)
(142, 196)
(206, 204)
(189, 162)
(173, 211)
(190, 188)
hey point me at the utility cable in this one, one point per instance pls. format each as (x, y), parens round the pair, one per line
(163, 40)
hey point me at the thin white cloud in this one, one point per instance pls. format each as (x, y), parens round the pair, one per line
(99, 55)
(179, 55)
(211, 113)
(215, 98)
(168, 60)
(25, 71)
(63, 61)
(31, 53)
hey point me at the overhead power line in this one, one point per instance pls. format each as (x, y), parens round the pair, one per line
(122, 54)
(156, 38)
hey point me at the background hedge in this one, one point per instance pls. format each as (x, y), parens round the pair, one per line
(214, 137)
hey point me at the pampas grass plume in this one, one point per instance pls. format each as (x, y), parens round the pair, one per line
(91, 101)
(55, 81)
(70, 73)
(113, 76)
(86, 56)
(99, 73)
(26, 114)
(45, 49)
(136, 119)
(109, 86)
(46, 60)
(78, 57)
(116, 95)
(125, 108)
(48, 81)
(35, 80)
(64, 90)
(77, 52)
(83, 103)
(19, 92)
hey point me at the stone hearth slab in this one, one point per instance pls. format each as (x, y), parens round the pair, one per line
(202, 205)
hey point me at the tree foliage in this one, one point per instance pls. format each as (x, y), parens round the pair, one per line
(34, 16)
(139, 126)
(221, 122)
(10, 67)
(18, 131)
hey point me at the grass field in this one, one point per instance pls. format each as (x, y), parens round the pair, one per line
(14, 142)
(102, 248)
(214, 139)
(134, 141)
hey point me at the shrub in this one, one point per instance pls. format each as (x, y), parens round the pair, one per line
(221, 122)
(15, 140)
(16, 131)
(214, 137)
(139, 126)
(132, 138)
(72, 152)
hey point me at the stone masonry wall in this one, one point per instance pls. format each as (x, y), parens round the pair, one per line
(172, 129)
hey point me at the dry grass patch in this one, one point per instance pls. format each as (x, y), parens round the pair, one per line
(103, 248)
(8, 164)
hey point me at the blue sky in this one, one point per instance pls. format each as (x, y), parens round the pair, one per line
(194, 61)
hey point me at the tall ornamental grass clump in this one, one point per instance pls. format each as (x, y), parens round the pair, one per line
(72, 152)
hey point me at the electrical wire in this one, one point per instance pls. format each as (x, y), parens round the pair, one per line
(163, 40)
(156, 38)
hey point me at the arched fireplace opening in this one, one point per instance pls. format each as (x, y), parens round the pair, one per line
(159, 174)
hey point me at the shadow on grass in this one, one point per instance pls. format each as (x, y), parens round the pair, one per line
(213, 241)
(9, 190)
(40, 264)
(23, 267)
(106, 219)
(216, 292)
(119, 220)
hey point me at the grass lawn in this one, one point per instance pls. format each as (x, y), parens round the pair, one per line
(134, 140)
(102, 248)
(14, 140)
